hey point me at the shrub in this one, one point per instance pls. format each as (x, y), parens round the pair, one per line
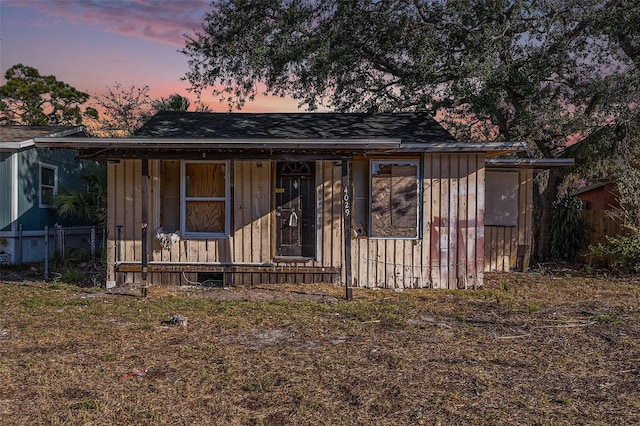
(569, 231)
(621, 252)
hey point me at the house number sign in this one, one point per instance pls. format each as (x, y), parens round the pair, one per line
(345, 198)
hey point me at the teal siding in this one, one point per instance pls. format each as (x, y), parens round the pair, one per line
(30, 215)
(5, 191)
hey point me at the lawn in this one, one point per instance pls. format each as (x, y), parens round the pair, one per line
(535, 348)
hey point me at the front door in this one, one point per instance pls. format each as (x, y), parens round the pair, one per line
(295, 209)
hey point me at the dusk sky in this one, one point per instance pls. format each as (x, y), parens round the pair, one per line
(92, 44)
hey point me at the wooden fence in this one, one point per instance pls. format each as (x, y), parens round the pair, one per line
(602, 223)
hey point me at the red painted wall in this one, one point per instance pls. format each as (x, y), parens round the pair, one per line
(602, 198)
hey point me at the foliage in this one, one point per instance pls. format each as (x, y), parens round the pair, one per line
(174, 102)
(85, 204)
(569, 232)
(627, 184)
(28, 98)
(125, 109)
(544, 72)
(621, 252)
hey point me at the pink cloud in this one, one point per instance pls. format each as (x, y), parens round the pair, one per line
(163, 21)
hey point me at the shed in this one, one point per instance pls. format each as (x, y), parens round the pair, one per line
(369, 200)
(602, 210)
(29, 177)
(599, 195)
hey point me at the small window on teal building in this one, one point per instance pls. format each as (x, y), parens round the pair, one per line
(48, 184)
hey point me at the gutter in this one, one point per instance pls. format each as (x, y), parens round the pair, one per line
(528, 163)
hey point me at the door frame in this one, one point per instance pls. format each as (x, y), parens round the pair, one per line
(316, 193)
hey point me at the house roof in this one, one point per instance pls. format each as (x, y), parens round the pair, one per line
(268, 135)
(594, 185)
(18, 137)
(408, 127)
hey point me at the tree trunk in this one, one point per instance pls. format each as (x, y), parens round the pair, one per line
(543, 210)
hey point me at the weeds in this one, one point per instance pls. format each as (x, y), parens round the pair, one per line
(87, 404)
(604, 319)
(290, 358)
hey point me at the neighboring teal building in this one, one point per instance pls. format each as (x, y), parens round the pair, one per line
(29, 177)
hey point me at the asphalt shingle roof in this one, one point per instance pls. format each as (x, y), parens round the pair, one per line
(408, 127)
(25, 133)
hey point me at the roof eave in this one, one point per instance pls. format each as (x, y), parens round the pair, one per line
(490, 148)
(188, 143)
(528, 163)
(16, 146)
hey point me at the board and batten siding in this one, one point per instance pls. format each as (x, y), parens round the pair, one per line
(251, 240)
(509, 247)
(450, 252)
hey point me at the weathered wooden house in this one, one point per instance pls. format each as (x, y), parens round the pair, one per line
(29, 177)
(369, 200)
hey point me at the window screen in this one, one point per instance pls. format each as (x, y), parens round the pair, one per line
(394, 199)
(501, 198)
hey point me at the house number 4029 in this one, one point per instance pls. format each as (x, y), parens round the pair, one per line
(345, 198)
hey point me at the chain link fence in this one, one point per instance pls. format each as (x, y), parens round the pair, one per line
(74, 244)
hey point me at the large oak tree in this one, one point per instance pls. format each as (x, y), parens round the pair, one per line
(547, 72)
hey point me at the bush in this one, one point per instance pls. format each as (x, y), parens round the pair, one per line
(620, 252)
(569, 231)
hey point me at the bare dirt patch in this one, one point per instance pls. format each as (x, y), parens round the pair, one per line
(558, 347)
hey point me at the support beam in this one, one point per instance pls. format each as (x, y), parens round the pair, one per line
(144, 222)
(346, 205)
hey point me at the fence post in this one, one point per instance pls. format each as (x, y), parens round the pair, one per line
(19, 251)
(93, 244)
(46, 253)
(60, 241)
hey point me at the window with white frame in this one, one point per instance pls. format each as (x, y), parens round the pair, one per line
(394, 199)
(48, 184)
(205, 206)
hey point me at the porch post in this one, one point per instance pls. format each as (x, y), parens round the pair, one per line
(144, 222)
(346, 205)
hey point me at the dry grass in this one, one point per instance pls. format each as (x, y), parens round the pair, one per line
(529, 349)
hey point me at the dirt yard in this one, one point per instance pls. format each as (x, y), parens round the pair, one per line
(550, 347)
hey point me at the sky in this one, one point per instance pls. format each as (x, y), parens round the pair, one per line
(94, 44)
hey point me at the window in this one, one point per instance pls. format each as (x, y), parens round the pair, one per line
(394, 199)
(48, 184)
(205, 199)
(501, 198)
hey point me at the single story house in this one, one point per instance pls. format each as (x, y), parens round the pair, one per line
(29, 177)
(369, 200)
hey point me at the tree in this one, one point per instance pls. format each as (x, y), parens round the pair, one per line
(174, 102)
(28, 98)
(546, 72)
(125, 109)
(88, 203)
